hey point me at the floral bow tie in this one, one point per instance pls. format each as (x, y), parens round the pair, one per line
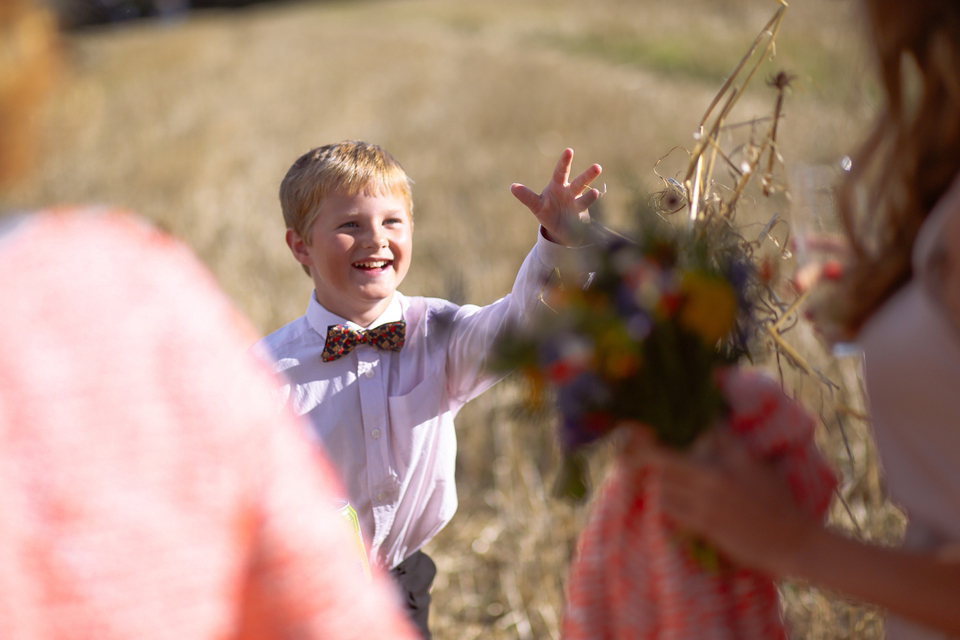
(342, 339)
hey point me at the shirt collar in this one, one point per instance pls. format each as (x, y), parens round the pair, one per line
(320, 318)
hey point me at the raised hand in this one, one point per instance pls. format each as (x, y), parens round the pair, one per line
(562, 205)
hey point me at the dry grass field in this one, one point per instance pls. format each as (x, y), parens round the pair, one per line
(193, 122)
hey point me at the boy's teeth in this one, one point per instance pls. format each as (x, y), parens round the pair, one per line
(376, 264)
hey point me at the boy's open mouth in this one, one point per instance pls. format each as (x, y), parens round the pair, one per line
(372, 265)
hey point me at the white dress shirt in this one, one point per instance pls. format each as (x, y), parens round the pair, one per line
(386, 418)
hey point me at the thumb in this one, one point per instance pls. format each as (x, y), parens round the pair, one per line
(528, 197)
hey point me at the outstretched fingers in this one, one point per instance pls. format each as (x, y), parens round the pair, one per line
(561, 204)
(585, 179)
(561, 173)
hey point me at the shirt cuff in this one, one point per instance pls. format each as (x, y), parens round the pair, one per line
(579, 259)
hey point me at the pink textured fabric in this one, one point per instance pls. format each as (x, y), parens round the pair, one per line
(634, 578)
(148, 486)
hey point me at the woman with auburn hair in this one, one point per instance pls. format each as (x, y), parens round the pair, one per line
(900, 298)
(149, 487)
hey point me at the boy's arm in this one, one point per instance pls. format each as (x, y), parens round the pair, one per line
(559, 208)
(474, 330)
(562, 206)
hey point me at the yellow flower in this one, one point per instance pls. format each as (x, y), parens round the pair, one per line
(709, 307)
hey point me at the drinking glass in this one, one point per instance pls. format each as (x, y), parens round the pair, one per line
(818, 240)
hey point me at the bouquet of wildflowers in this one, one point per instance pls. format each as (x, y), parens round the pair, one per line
(641, 342)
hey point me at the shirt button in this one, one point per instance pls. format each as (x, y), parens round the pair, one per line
(381, 496)
(375, 433)
(370, 372)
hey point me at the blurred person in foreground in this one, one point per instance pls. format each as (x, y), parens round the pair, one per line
(381, 375)
(148, 488)
(900, 297)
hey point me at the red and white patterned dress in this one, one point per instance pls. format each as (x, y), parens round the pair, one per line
(633, 578)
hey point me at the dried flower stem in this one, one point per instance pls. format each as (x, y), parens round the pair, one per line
(791, 353)
(781, 81)
(693, 180)
(694, 192)
(774, 25)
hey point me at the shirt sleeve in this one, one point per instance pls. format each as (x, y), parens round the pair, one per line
(476, 328)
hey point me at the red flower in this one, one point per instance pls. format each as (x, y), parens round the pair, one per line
(561, 371)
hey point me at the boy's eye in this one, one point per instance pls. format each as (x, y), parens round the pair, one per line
(393, 221)
(349, 224)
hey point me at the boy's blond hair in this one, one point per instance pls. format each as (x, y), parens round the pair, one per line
(345, 168)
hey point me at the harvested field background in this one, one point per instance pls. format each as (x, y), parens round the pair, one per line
(193, 122)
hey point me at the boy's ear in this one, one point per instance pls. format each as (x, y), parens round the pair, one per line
(298, 248)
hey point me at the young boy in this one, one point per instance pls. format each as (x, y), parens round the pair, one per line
(382, 402)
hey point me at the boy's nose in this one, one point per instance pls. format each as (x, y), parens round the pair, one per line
(376, 237)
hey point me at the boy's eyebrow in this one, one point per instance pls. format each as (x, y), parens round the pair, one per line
(356, 212)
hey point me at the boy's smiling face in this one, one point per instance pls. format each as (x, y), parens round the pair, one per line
(358, 253)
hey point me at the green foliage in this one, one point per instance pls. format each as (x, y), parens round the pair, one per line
(685, 57)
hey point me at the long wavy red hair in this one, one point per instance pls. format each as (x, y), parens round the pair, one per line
(912, 154)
